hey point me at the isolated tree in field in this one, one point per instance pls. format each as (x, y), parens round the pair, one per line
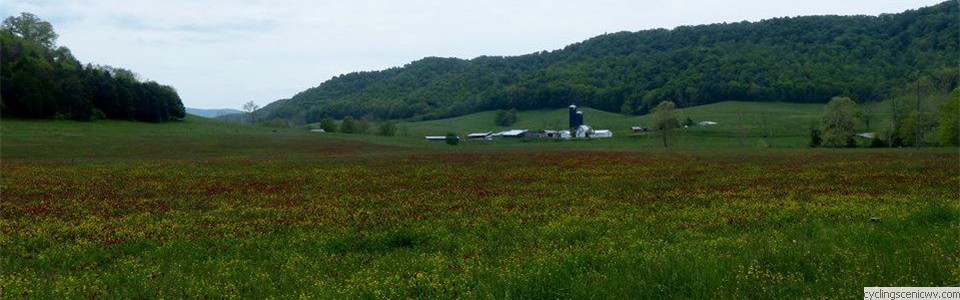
(664, 120)
(500, 118)
(950, 120)
(512, 115)
(348, 125)
(249, 109)
(505, 117)
(31, 28)
(328, 125)
(840, 122)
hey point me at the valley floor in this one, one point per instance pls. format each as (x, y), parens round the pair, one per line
(272, 214)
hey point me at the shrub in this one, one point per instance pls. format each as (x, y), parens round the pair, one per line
(387, 128)
(328, 125)
(815, 136)
(348, 125)
(452, 139)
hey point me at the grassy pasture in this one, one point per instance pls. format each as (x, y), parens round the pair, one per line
(204, 209)
(787, 124)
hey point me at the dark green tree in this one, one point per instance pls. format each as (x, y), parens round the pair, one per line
(348, 125)
(816, 137)
(950, 120)
(452, 139)
(328, 125)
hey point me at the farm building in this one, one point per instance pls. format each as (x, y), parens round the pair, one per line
(583, 131)
(638, 129)
(580, 130)
(577, 130)
(551, 134)
(480, 136)
(511, 134)
(601, 134)
(438, 138)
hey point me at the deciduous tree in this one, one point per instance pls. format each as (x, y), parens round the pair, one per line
(249, 109)
(664, 120)
(328, 125)
(840, 122)
(950, 120)
(348, 125)
(32, 29)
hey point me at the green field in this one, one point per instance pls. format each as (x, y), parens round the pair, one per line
(739, 125)
(203, 209)
(731, 116)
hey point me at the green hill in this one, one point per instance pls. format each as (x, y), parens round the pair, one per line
(800, 59)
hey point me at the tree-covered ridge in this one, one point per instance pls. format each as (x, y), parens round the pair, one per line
(41, 80)
(798, 59)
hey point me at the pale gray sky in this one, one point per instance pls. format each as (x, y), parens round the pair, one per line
(220, 53)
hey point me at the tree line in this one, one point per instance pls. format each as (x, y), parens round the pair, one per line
(797, 59)
(912, 124)
(42, 80)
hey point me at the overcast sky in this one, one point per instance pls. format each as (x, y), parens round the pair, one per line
(219, 54)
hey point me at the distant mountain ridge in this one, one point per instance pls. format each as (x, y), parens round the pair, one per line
(797, 59)
(212, 113)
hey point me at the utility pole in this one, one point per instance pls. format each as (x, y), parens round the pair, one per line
(896, 120)
(919, 137)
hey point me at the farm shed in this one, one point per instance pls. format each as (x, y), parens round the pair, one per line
(601, 134)
(437, 138)
(550, 134)
(515, 133)
(480, 136)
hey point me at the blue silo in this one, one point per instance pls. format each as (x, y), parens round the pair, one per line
(572, 116)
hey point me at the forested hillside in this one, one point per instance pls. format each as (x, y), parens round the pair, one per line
(799, 59)
(41, 80)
